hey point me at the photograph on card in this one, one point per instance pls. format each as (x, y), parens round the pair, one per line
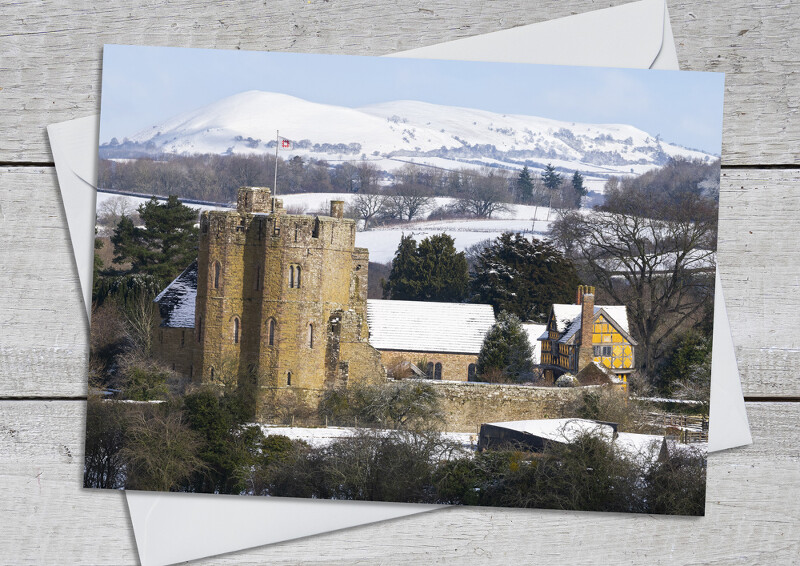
(403, 280)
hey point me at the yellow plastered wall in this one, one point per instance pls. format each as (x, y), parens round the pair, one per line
(620, 350)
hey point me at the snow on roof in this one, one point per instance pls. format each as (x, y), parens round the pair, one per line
(534, 333)
(634, 445)
(559, 430)
(427, 326)
(568, 318)
(566, 314)
(176, 301)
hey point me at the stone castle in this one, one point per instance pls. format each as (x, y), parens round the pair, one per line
(278, 296)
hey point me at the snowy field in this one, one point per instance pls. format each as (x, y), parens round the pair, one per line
(382, 241)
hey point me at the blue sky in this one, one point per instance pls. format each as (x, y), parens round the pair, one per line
(146, 85)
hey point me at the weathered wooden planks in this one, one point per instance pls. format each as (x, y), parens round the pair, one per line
(751, 515)
(50, 52)
(44, 351)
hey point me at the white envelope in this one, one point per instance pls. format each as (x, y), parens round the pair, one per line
(176, 527)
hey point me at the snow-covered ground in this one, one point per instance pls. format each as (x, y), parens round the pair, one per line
(382, 241)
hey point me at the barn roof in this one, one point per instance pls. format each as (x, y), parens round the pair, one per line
(176, 301)
(427, 326)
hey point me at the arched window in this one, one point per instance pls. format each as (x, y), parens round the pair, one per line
(235, 330)
(271, 332)
(472, 372)
(212, 372)
(258, 278)
(291, 276)
(429, 370)
(217, 270)
(288, 378)
(200, 329)
(437, 371)
(310, 335)
(298, 277)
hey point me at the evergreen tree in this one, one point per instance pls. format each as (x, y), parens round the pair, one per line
(403, 283)
(443, 270)
(550, 178)
(506, 352)
(523, 277)
(434, 271)
(577, 184)
(167, 244)
(525, 184)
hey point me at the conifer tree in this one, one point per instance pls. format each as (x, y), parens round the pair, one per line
(522, 277)
(434, 271)
(166, 245)
(403, 281)
(550, 178)
(506, 352)
(580, 190)
(444, 271)
(525, 184)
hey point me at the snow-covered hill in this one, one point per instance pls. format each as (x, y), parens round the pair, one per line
(392, 133)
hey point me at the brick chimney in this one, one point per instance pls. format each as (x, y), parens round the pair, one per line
(586, 300)
(337, 208)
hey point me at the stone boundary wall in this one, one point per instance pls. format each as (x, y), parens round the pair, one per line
(470, 404)
(466, 405)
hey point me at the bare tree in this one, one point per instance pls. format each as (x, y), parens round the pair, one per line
(141, 316)
(662, 270)
(408, 201)
(160, 452)
(486, 193)
(368, 176)
(367, 206)
(112, 209)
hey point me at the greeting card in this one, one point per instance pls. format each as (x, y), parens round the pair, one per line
(404, 280)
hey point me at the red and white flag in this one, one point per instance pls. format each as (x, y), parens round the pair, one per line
(285, 144)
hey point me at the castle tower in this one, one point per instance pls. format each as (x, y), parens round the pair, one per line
(281, 296)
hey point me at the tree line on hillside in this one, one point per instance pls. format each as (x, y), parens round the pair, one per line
(403, 194)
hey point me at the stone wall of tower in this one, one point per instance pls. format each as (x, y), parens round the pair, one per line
(289, 302)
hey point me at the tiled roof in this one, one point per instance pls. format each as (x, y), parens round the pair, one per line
(176, 301)
(428, 327)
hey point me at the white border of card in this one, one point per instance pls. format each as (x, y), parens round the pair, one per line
(171, 528)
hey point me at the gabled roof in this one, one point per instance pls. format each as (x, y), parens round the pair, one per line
(568, 320)
(176, 301)
(419, 326)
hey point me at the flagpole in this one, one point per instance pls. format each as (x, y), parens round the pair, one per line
(275, 184)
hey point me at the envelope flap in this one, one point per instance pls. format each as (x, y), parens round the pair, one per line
(624, 36)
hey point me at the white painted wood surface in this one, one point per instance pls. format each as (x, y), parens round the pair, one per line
(752, 515)
(49, 72)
